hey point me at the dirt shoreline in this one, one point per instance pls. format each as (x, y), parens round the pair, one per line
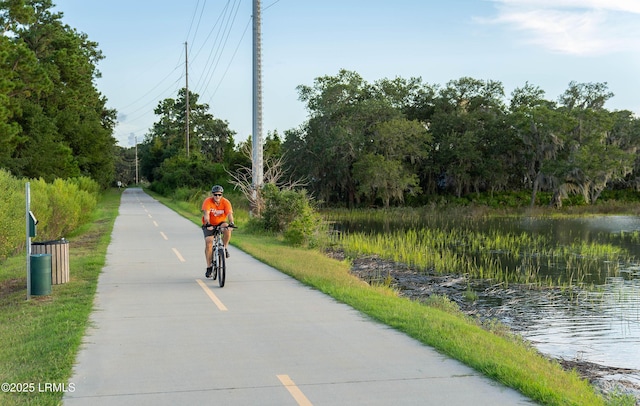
(419, 285)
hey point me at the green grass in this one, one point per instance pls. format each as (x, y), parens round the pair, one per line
(41, 337)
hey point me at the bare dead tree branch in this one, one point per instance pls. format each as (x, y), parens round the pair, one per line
(274, 172)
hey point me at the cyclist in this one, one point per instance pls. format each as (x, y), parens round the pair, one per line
(216, 211)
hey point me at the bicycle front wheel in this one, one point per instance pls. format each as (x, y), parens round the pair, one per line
(222, 268)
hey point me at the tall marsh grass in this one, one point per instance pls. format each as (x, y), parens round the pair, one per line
(451, 243)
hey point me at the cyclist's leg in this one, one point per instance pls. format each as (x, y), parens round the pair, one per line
(226, 237)
(208, 241)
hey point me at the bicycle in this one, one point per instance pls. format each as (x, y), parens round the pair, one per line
(218, 256)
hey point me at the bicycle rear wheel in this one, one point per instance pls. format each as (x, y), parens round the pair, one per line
(222, 268)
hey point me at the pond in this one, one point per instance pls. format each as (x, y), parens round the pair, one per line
(601, 324)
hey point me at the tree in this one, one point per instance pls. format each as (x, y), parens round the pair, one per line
(325, 148)
(343, 114)
(468, 126)
(595, 155)
(417, 102)
(626, 130)
(384, 179)
(414, 99)
(541, 129)
(390, 171)
(57, 122)
(163, 158)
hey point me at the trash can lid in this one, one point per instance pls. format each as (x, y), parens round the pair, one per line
(62, 241)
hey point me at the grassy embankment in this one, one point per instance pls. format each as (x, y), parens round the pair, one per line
(41, 337)
(499, 356)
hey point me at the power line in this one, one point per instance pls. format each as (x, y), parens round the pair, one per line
(210, 31)
(214, 67)
(270, 5)
(151, 90)
(210, 75)
(204, 3)
(230, 61)
(220, 18)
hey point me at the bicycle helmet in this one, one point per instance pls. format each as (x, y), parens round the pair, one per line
(217, 188)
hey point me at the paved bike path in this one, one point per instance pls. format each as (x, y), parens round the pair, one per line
(162, 334)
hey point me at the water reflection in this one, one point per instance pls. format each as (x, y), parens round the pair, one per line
(603, 327)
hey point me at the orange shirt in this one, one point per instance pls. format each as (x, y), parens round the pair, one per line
(217, 212)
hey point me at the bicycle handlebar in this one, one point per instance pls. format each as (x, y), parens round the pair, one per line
(219, 227)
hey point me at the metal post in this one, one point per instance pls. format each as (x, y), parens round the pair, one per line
(27, 219)
(257, 163)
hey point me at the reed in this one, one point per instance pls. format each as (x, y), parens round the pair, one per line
(442, 244)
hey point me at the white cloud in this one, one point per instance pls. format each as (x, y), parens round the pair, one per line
(630, 6)
(578, 27)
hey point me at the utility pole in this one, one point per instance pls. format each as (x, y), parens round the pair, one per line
(256, 161)
(136, 138)
(186, 75)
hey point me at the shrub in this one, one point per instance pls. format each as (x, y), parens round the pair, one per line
(190, 173)
(60, 207)
(12, 214)
(291, 213)
(186, 194)
(87, 184)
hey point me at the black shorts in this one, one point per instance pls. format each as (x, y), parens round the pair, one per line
(209, 233)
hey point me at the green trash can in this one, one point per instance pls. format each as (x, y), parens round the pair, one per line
(40, 274)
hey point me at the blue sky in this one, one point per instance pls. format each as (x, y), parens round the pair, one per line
(547, 43)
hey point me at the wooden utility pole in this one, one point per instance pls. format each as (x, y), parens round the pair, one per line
(137, 180)
(186, 75)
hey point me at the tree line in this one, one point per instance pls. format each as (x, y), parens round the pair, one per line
(393, 140)
(402, 141)
(53, 121)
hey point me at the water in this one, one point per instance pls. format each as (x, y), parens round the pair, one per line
(602, 328)
(602, 324)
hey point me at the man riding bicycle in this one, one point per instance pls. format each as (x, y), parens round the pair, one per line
(216, 211)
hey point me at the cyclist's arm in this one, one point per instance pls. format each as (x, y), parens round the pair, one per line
(205, 216)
